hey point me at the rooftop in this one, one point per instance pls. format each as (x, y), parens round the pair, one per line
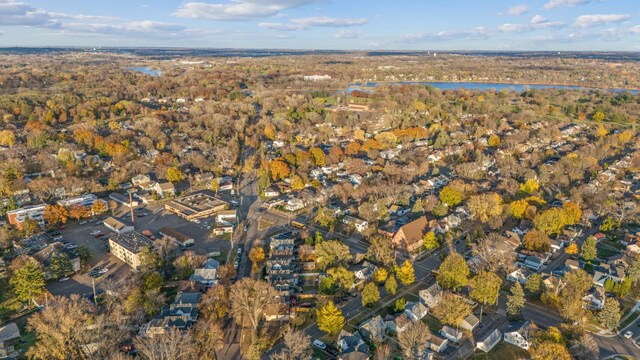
(132, 241)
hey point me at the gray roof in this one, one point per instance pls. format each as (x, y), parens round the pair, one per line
(9, 332)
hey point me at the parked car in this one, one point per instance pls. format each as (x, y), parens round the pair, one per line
(95, 232)
(99, 235)
(319, 344)
(628, 334)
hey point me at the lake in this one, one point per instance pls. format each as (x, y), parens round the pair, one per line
(477, 86)
(146, 70)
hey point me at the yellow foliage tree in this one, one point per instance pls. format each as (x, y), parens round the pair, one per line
(530, 186)
(572, 249)
(174, 174)
(7, 138)
(602, 131)
(494, 140)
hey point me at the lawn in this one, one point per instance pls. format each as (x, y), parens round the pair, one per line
(433, 323)
(502, 351)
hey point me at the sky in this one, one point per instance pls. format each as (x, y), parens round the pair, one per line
(557, 25)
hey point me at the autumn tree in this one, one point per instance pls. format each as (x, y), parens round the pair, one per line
(589, 250)
(370, 294)
(530, 186)
(450, 196)
(215, 303)
(55, 214)
(297, 183)
(406, 273)
(518, 208)
(296, 345)
(330, 319)
(536, 240)
(380, 250)
(451, 309)
(7, 138)
(78, 211)
(380, 275)
(453, 273)
(485, 288)
(257, 256)
(279, 170)
(572, 249)
(342, 276)
(98, 207)
(551, 221)
(549, 350)
(249, 299)
(610, 315)
(208, 337)
(430, 240)
(332, 253)
(572, 212)
(172, 344)
(318, 156)
(515, 301)
(485, 207)
(413, 341)
(391, 285)
(495, 253)
(174, 174)
(577, 283)
(494, 140)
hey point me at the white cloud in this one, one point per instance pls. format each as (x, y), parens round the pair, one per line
(475, 33)
(537, 22)
(305, 23)
(635, 29)
(144, 29)
(348, 34)
(238, 10)
(586, 21)
(552, 4)
(14, 13)
(517, 10)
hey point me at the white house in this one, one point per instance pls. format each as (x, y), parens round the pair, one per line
(415, 310)
(489, 341)
(359, 224)
(518, 334)
(520, 275)
(454, 335)
(271, 192)
(117, 226)
(207, 274)
(226, 217)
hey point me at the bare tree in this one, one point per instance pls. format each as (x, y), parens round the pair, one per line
(296, 346)
(585, 348)
(249, 299)
(413, 340)
(384, 352)
(495, 252)
(209, 339)
(173, 345)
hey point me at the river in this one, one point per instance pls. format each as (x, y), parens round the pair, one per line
(146, 70)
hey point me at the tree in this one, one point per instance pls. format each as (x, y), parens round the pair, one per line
(610, 315)
(485, 207)
(453, 273)
(215, 186)
(518, 208)
(296, 346)
(413, 341)
(401, 303)
(602, 131)
(249, 299)
(494, 140)
(530, 186)
(589, 251)
(598, 116)
(536, 240)
(98, 207)
(381, 250)
(172, 344)
(257, 257)
(585, 348)
(174, 174)
(495, 253)
(572, 249)
(78, 211)
(370, 294)
(551, 221)
(451, 309)
(485, 288)
(279, 170)
(327, 286)
(391, 285)
(330, 319)
(7, 138)
(384, 352)
(450, 196)
(342, 276)
(318, 156)
(209, 339)
(380, 275)
(534, 286)
(406, 274)
(60, 266)
(573, 213)
(297, 183)
(215, 303)
(577, 283)
(515, 301)
(549, 350)
(55, 214)
(331, 253)
(27, 280)
(430, 240)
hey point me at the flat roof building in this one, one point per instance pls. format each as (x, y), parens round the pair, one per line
(177, 236)
(33, 212)
(127, 247)
(196, 206)
(85, 200)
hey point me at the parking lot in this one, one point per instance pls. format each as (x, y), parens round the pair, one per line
(146, 218)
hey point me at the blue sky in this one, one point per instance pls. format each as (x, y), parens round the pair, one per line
(326, 24)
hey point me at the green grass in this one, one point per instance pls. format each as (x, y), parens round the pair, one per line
(433, 323)
(26, 341)
(503, 351)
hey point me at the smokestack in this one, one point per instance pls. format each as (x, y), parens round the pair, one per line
(131, 208)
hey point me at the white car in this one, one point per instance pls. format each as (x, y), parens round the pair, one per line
(196, 221)
(319, 344)
(628, 334)
(103, 271)
(95, 232)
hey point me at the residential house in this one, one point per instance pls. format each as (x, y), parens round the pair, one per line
(533, 262)
(364, 272)
(520, 275)
(453, 335)
(164, 189)
(181, 314)
(282, 242)
(276, 312)
(207, 275)
(9, 334)
(373, 329)
(437, 343)
(123, 200)
(117, 226)
(271, 192)
(354, 354)
(226, 217)
(44, 256)
(595, 299)
(470, 322)
(177, 236)
(518, 334)
(142, 181)
(33, 212)
(572, 264)
(489, 341)
(398, 323)
(295, 204)
(359, 224)
(415, 310)
(409, 237)
(348, 342)
(431, 296)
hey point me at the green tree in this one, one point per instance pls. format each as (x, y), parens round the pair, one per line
(342, 276)
(588, 251)
(485, 288)
(151, 281)
(370, 294)
(453, 273)
(27, 280)
(430, 240)
(551, 221)
(174, 174)
(534, 286)
(332, 253)
(327, 286)
(406, 274)
(515, 301)
(400, 304)
(450, 196)
(330, 319)
(610, 315)
(60, 266)
(391, 285)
